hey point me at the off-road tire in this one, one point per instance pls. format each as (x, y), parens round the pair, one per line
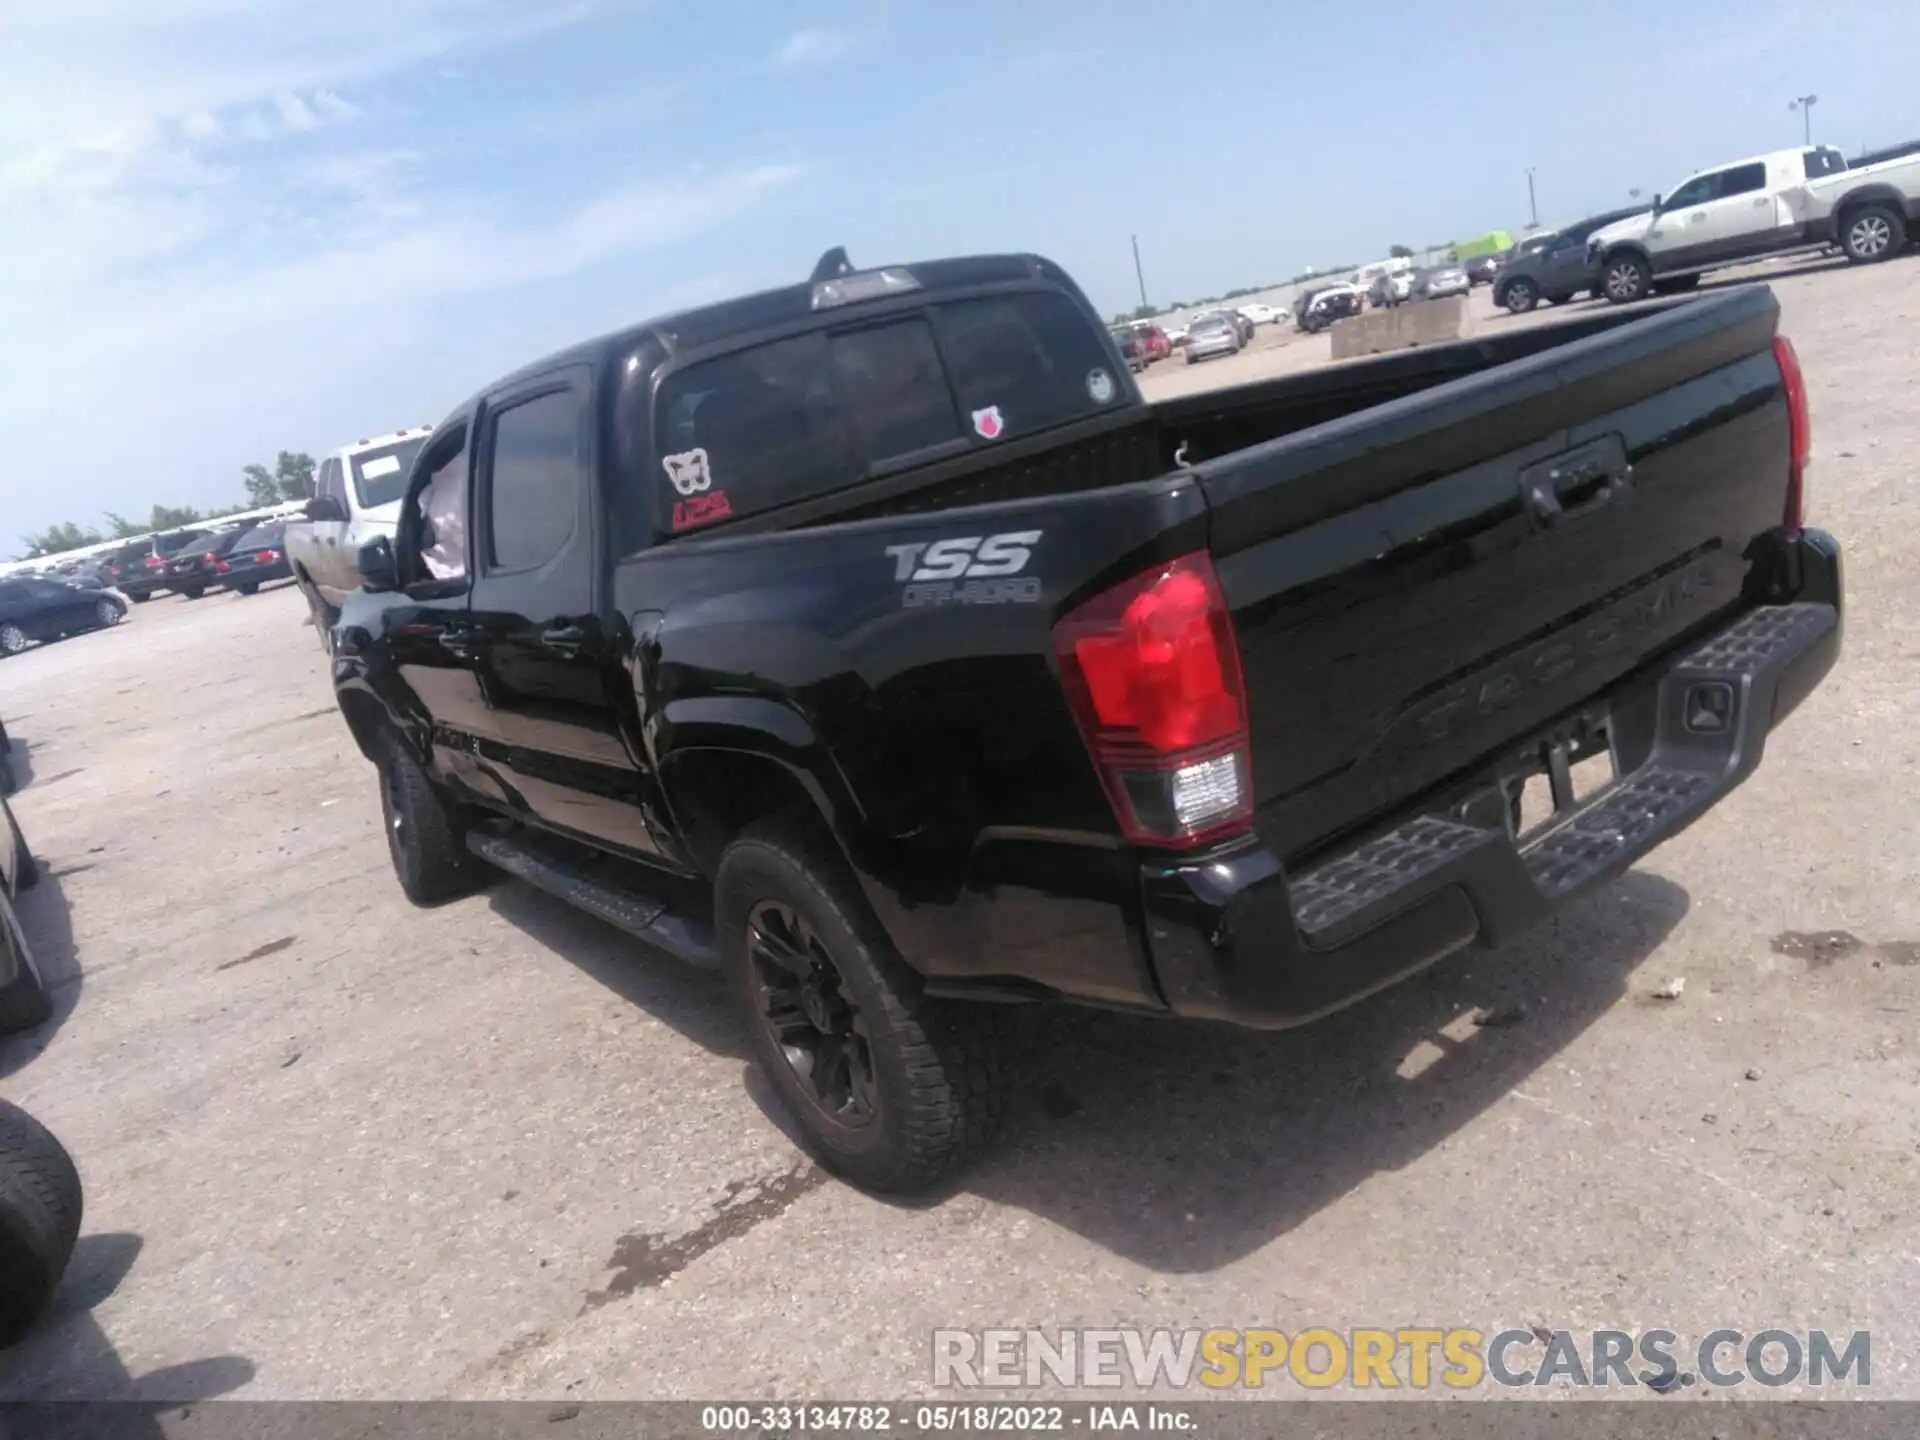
(40, 1204)
(942, 1069)
(1873, 233)
(426, 832)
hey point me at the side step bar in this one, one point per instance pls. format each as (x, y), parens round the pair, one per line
(587, 885)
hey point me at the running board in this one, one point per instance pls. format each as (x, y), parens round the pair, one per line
(586, 884)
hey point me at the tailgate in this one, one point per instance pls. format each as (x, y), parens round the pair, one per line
(1417, 586)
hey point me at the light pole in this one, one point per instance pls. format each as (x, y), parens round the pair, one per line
(1533, 209)
(1804, 104)
(1138, 273)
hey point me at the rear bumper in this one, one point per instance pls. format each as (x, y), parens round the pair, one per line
(1234, 938)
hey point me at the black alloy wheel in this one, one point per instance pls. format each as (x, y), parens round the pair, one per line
(810, 1016)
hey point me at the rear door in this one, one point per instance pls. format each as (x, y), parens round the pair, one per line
(549, 665)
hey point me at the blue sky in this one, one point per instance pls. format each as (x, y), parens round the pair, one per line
(229, 227)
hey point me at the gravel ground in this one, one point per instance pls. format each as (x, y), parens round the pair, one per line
(339, 1148)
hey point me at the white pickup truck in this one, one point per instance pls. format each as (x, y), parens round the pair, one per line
(1789, 200)
(357, 493)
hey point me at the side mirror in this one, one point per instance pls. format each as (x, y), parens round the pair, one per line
(325, 507)
(1656, 202)
(378, 569)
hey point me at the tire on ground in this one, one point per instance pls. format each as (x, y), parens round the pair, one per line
(40, 1205)
(426, 833)
(941, 1069)
(1872, 233)
(1627, 278)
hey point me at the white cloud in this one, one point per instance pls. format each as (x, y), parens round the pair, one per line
(812, 47)
(295, 113)
(200, 125)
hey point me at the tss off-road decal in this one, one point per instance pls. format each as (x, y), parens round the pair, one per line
(968, 570)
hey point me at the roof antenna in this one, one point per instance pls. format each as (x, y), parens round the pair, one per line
(832, 266)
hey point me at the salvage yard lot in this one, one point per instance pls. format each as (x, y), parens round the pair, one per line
(337, 1147)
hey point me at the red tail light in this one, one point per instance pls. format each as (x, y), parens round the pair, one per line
(221, 566)
(1152, 672)
(154, 562)
(1799, 431)
(266, 557)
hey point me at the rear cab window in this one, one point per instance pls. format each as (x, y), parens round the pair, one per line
(792, 419)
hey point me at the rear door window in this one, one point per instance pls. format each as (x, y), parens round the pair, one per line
(1824, 162)
(1743, 180)
(534, 474)
(380, 475)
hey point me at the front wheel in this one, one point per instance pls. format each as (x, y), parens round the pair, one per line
(1628, 278)
(426, 834)
(40, 1204)
(1520, 296)
(890, 1089)
(106, 614)
(1873, 234)
(12, 639)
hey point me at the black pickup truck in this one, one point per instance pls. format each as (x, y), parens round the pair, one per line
(873, 641)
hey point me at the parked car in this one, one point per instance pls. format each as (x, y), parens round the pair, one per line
(1257, 314)
(1242, 326)
(1132, 348)
(1390, 287)
(138, 570)
(1482, 268)
(257, 557)
(1154, 341)
(357, 492)
(1770, 204)
(1317, 309)
(1212, 335)
(1439, 281)
(85, 573)
(191, 570)
(1557, 270)
(33, 607)
(711, 679)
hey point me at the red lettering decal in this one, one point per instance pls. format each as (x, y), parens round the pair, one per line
(701, 510)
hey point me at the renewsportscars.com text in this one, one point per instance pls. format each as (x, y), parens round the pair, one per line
(1408, 1357)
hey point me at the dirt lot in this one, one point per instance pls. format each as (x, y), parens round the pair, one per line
(336, 1147)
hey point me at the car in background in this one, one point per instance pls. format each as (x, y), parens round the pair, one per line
(1132, 348)
(357, 493)
(1154, 341)
(1212, 335)
(139, 570)
(1258, 314)
(1242, 326)
(1176, 335)
(1391, 287)
(1558, 270)
(257, 557)
(36, 607)
(1439, 281)
(1316, 309)
(190, 572)
(1482, 269)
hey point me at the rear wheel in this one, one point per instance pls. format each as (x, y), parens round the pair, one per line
(40, 1204)
(193, 592)
(890, 1089)
(1627, 278)
(108, 614)
(248, 589)
(1872, 234)
(426, 833)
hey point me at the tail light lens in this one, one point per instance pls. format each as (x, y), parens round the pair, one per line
(1152, 673)
(1799, 431)
(154, 562)
(222, 566)
(266, 557)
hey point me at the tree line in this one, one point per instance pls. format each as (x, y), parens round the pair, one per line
(290, 479)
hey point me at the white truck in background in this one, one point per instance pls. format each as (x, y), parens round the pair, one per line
(1764, 205)
(357, 494)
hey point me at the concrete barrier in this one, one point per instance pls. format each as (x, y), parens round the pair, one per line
(1414, 322)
